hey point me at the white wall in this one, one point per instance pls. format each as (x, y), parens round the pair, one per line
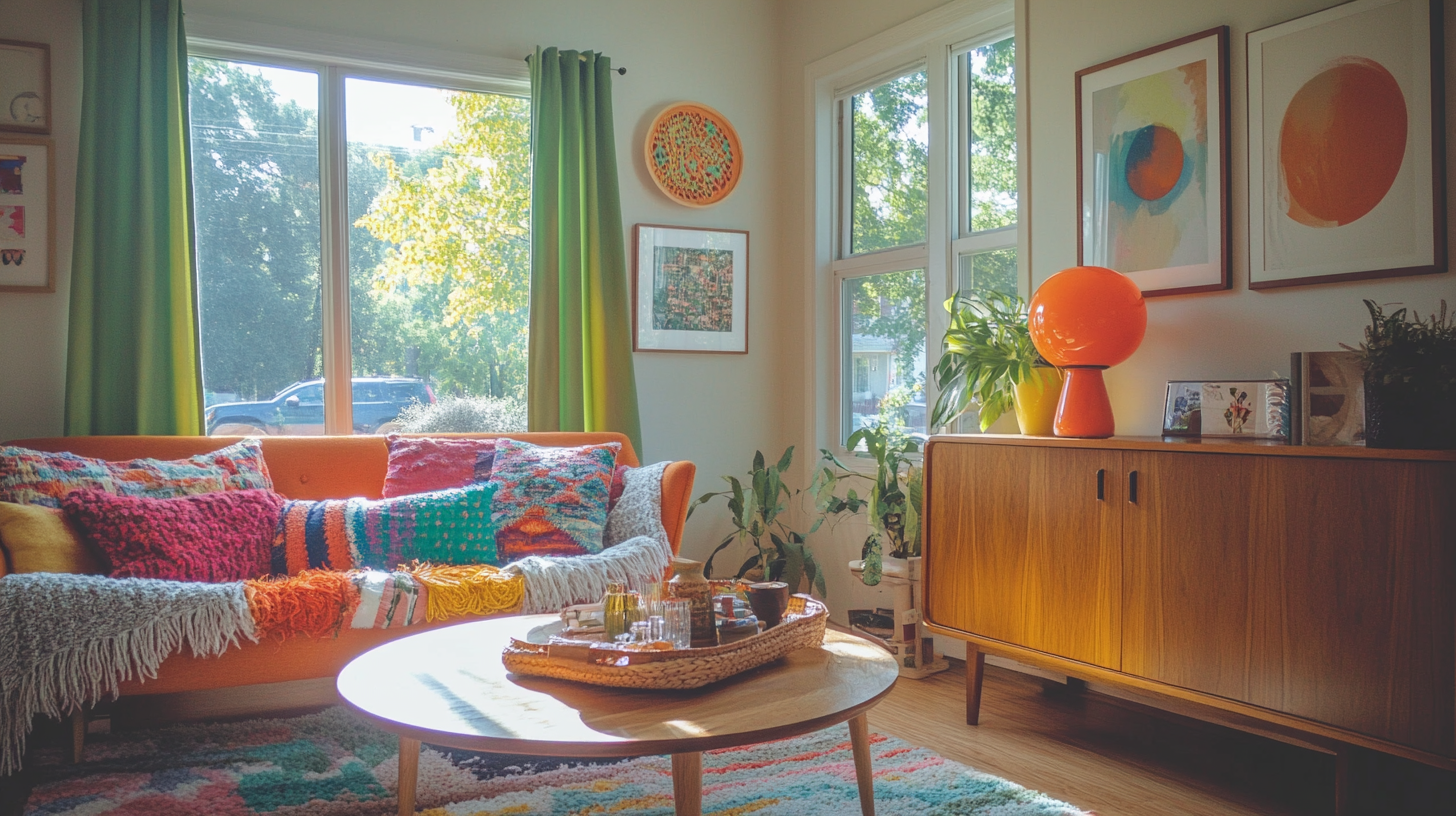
(1226, 335)
(33, 326)
(713, 409)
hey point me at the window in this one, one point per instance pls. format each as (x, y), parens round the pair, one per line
(924, 195)
(369, 238)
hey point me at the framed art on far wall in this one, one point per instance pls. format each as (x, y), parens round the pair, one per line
(25, 86)
(689, 289)
(1346, 145)
(27, 214)
(1153, 167)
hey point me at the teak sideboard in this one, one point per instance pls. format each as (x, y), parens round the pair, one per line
(1306, 588)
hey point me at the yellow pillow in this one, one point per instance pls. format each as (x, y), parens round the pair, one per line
(39, 539)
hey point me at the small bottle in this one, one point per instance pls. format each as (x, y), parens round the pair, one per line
(614, 611)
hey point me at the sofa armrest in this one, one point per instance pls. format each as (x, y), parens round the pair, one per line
(677, 494)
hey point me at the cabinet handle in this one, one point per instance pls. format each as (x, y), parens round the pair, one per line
(1132, 484)
(1101, 484)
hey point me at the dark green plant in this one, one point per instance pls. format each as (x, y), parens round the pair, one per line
(894, 500)
(759, 508)
(987, 350)
(1417, 354)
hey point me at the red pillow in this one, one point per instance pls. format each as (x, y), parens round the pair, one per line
(423, 464)
(212, 537)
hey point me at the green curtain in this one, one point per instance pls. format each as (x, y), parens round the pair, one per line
(581, 376)
(133, 365)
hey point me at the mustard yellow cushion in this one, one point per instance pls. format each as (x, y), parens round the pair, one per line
(39, 539)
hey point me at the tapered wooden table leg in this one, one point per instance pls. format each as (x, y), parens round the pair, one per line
(409, 770)
(975, 677)
(859, 740)
(78, 734)
(687, 784)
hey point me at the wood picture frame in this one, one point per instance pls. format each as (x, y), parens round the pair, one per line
(1349, 186)
(27, 214)
(1152, 132)
(25, 87)
(689, 289)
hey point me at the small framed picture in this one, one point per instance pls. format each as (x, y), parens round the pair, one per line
(1252, 409)
(689, 289)
(27, 213)
(25, 86)
(1182, 412)
(1329, 388)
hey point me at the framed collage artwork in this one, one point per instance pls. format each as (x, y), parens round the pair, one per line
(689, 289)
(27, 214)
(1153, 166)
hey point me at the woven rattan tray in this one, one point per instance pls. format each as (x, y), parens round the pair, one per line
(802, 626)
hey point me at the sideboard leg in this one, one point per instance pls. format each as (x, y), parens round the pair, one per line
(78, 734)
(687, 784)
(975, 674)
(409, 770)
(864, 773)
(1342, 782)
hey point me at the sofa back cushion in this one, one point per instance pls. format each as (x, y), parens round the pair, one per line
(420, 464)
(40, 539)
(214, 537)
(552, 501)
(44, 478)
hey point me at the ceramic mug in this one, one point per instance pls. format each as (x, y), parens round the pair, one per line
(768, 600)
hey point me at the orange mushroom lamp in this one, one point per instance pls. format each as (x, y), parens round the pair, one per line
(1086, 319)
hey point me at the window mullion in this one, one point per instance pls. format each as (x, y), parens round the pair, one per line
(334, 256)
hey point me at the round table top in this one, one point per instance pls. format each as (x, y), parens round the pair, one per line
(448, 687)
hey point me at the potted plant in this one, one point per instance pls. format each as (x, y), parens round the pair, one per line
(893, 499)
(1410, 379)
(987, 359)
(759, 507)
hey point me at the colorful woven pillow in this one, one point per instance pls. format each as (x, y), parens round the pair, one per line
(424, 464)
(214, 537)
(451, 526)
(552, 501)
(37, 477)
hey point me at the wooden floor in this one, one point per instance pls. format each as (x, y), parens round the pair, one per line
(1120, 758)
(1097, 752)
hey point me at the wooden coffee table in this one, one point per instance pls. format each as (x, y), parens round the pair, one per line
(448, 687)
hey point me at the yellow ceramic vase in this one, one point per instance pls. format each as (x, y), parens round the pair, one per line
(1036, 401)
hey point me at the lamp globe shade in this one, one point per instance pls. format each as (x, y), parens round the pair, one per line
(1085, 319)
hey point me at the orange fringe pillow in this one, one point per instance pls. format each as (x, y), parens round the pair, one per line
(314, 602)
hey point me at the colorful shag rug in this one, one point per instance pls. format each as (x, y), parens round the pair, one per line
(333, 763)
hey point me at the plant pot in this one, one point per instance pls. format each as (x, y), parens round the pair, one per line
(1399, 416)
(1036, 401)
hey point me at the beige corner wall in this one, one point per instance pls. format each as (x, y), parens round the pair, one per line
(1224, 335)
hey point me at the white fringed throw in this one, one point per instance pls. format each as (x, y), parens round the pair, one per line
(635, 551)
(67, 639)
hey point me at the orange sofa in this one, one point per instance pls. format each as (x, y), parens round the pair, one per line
(318, 467)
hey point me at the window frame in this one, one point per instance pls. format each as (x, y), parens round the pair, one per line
(936, 40)
(336, 59)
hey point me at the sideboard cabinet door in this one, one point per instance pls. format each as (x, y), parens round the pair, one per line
(1312, 586)
(1021, 549)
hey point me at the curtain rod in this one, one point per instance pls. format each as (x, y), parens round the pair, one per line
(619, 71)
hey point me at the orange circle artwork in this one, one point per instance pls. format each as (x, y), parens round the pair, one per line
(1342, 143)
(693, 154)
(1154, 162)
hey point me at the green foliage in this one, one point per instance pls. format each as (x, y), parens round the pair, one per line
(893, 503)
(1414, 353)
(993, 130)
(465, 415)
(758, 506)
(889, 189)
(987, 350)
(892, 305)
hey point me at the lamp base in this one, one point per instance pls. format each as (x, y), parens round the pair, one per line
(1084, 411)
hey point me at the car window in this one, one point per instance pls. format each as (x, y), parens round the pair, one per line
(406, 392)
(310, 394)
(367, 392)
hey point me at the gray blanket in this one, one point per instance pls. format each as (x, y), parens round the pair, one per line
(67, 639)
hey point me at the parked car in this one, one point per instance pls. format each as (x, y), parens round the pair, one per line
(299, 408)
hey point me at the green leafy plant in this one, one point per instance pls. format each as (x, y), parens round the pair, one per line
(1414, 353)
(986, 352)
(759, 508)
(893, 502)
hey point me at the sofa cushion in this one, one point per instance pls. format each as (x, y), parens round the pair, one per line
(451, 526)
(552, 501)
(214, 537)
(37, 477)
(40, 539)
(422, 464)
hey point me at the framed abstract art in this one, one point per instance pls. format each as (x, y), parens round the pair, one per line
(1152, 165)
(1346, 145)
(27, 214)
(689, 289)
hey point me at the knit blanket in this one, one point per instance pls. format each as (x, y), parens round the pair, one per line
(65, 640)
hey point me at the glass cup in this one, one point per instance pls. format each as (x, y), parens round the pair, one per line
(677, 620)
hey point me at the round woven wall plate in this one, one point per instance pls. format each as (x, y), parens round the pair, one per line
(693, 154)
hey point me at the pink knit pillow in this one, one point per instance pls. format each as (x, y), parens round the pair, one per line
(424, 464)
(212, 537)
